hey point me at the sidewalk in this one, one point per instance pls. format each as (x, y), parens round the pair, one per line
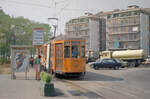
(20, 88)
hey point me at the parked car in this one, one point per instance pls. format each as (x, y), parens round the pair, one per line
(146, 62)
(91, 63)
(88, 60)
(123, 63)
(106, 63)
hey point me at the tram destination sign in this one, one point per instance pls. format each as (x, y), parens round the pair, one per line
(38, 36)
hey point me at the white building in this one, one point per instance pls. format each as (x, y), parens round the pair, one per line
(87, 27)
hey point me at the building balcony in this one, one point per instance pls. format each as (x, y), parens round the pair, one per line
(123, 33)
(125, 17)
(122, 25)
(76, 23)
(135, 40)
(117, 49)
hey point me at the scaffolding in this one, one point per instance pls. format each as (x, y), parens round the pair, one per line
(124, 32)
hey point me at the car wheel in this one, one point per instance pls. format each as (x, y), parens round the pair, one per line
(122, 66)
(96, 67)
(114, 67)
(132, 64)
(117, 67)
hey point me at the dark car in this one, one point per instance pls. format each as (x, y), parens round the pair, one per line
(106, 63)
(91, 60)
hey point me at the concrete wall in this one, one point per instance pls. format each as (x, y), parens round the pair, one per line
(144, 32)
(102, 34)
(94, 34)
(107, 37)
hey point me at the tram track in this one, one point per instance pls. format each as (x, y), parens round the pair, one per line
(111, 87)
(89, 92)
(82, 90)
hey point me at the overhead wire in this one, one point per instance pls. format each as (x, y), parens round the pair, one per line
(26, 3)
(63, 7)
(46, 6)
(49, 7)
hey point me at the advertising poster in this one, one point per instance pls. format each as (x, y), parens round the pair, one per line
(20, 61)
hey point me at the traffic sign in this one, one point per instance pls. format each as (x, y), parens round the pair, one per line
(38, 36)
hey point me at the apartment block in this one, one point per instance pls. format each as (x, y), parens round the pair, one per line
(127, 29)
(86, 27)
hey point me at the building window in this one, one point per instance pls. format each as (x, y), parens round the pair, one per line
(83, 20)
(115, 15)
(108, 16)
(135, 13)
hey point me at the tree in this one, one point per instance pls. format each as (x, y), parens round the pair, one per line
(17, 31)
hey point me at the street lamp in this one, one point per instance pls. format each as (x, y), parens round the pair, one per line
(54, 25)
(53, 19)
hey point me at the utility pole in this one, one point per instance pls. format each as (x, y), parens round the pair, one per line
(54, 25)
(55, 28)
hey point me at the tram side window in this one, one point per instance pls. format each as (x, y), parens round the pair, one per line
(83, 51)
(52, 50)
(67, 51)
(75, 51)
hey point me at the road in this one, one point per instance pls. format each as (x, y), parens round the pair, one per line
(132, 83)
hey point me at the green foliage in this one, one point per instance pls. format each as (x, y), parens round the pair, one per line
(46, 77)
(4, 60)
(17, 31)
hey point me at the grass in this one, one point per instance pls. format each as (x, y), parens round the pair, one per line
(5, 69)
(0, 69)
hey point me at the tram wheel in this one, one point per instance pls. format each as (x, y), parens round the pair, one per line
(82, 76)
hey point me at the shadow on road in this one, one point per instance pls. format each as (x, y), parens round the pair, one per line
(59, 93)
(91, 76)
(18, 77)
(88, 94)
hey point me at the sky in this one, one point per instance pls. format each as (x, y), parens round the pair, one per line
(64, 10)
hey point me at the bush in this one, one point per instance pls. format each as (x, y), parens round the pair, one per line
(4, 60)
(46, 77)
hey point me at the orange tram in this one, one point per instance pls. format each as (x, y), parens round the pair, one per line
(65, 56)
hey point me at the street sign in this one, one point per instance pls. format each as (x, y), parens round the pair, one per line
(38, 36)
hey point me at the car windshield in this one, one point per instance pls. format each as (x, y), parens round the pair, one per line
(108, 61)
(98, 60)
(118, 60)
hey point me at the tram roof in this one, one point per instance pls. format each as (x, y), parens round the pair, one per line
(68, 38)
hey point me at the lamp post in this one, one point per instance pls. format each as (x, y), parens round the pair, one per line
(55, 27)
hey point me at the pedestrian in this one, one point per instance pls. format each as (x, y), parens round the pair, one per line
(38, 67)
(31, 61)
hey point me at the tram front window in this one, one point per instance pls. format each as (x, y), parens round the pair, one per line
(75, 51)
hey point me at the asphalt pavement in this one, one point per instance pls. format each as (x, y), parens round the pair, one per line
(132, 83)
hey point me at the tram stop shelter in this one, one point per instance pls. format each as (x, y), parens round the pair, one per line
(20, 55)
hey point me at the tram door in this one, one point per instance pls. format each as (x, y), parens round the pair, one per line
(59, 57)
